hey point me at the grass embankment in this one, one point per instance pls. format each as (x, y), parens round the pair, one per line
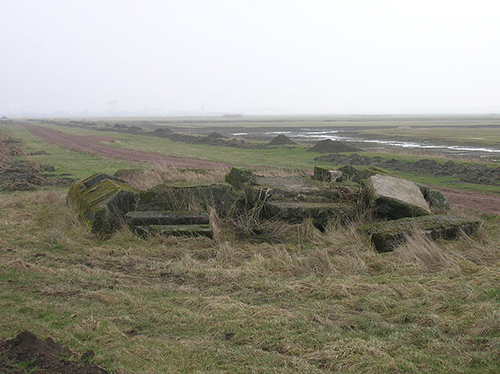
(305, 302)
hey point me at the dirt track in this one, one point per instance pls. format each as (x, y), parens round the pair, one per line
(91, 144)
(472, 200)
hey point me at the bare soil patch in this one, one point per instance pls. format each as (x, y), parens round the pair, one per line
(472, 200)
(28, 354)
(91, 144)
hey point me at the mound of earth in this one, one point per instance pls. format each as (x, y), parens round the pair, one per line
(282, 140)
(221, 142)
(28, 354)
(162, 132)
(215, 135)
(330, 146)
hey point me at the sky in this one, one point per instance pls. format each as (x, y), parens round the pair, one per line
(249, 56)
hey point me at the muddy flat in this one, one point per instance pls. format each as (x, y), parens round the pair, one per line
(93, 145)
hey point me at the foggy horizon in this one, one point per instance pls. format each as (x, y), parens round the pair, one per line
(173, 58)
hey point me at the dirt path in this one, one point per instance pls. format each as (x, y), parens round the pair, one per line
(472, 200)
(92, 144)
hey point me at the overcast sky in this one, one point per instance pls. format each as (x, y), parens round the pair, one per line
(307, 56)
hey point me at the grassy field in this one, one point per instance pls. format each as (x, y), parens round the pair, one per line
(300, 301)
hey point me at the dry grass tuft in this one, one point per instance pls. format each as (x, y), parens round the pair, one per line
(425, 254)
(164, 174)
(487, 326)
(345, 356)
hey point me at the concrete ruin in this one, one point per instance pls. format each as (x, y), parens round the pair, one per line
(342, 195)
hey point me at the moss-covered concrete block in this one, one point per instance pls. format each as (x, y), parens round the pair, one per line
(435, 199)
(135, 219)
(176, 230)
(184, 196)
(387, 235)
(394, 198)
(320, 213)
(326, 175)
(130, 173)
(101, 202)
(239, 177)
(352, 174)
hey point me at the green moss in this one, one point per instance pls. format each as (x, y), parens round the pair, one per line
(322, 174)
(238, 177)
(101, 202)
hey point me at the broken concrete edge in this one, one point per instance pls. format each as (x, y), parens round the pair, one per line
(320, 213)
(346, 173)
(175, 230)
(144, 218)
(435, 198)
(180, 196)
(386, 236)
(101, 201)
(323, 174)
(239, 177)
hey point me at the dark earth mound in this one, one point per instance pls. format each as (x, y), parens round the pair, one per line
(28, 354)
(235, 143)
(282, 140)
(330, 146)
(470, 173)
(162, 133)
(215, 135)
